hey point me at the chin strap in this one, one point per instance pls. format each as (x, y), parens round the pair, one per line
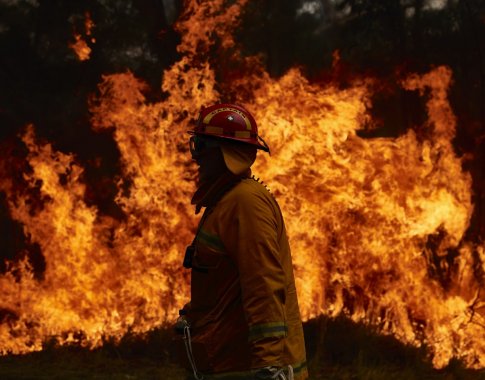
(265, 145)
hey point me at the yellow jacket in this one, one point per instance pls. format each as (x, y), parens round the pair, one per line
(244, 310)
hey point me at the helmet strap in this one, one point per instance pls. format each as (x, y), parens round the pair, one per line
(264, 143)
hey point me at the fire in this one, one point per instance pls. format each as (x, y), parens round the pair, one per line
(80, 46)
(373, 222)
(362, 213)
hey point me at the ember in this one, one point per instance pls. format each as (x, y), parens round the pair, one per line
(80, 46)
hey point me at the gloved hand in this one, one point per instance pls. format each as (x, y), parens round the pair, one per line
(271, 373)
(182, 321)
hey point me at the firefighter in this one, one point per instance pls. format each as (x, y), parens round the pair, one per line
(243, 320)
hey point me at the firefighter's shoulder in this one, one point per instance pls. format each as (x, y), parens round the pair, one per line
(248, 190)
(251, 196)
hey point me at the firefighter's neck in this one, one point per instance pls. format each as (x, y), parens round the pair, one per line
(210, 191)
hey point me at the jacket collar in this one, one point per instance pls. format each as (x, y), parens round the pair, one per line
(209, 193)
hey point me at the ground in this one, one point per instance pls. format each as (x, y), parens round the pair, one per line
(337, 349)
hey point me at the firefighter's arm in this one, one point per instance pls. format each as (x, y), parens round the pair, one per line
(252, 241)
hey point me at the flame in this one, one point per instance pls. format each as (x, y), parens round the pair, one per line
(361, 212)
(80, 46)
(372, 222)
(88, 24)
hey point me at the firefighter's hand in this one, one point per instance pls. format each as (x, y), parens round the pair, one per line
(182, 322)
(270, 373)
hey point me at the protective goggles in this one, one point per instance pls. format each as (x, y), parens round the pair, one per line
(199, 144)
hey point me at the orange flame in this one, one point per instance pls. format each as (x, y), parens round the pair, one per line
(371, 221)
(80, 46)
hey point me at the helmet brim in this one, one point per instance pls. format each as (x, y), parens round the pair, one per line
(257, 145)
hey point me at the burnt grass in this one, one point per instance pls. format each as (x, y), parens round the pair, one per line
(336, 349)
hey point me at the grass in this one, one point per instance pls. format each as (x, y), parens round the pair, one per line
(337, 349)
(340, 349)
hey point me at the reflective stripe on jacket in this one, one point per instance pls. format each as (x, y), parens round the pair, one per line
(244, 308)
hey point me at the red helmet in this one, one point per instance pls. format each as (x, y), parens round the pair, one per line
(231, 122)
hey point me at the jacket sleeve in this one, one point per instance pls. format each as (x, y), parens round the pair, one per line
(251, 239)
